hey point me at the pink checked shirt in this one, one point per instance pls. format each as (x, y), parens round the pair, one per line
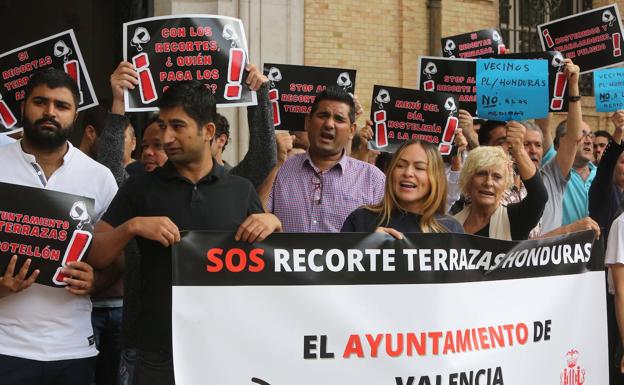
(306, 199)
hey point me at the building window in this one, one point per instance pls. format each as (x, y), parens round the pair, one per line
(519, 20)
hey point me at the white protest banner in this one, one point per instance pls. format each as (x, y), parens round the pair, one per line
(437, 309)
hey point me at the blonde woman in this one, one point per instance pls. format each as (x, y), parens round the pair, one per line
(486, 175)
(414, 196)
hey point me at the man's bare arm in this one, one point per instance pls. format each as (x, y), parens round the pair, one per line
(569, 141)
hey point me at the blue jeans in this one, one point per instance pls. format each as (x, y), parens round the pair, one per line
(107, 331)
(126, 367)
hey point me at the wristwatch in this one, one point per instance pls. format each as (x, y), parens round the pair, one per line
(574, 98)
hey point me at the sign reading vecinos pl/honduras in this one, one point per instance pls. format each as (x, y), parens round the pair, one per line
(168, 49)
(512, 89)
(609, 89)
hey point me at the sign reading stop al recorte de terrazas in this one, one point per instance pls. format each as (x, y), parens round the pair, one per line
(437, 309)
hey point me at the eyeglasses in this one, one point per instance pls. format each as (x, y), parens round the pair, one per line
(317, 191)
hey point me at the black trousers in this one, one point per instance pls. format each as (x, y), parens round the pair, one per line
(153, 368)
(14, 370)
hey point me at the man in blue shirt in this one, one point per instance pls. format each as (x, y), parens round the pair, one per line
(575, 197)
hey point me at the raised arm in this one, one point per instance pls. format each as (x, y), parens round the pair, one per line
(124, 77)
(515, 140)
(569, 142)
(260, 157)
(111, 140)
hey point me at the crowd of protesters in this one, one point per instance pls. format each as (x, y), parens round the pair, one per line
(506, 180)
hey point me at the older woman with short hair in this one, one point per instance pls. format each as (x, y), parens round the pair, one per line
(486, 175)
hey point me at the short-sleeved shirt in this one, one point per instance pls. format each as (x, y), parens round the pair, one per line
(5, 139)
(219, 202)
(615, 247)
(363, 220)
(307, 199)
(555, 184)
(41, 322)
(576, 194)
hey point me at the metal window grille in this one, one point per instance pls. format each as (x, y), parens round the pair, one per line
(519, 20)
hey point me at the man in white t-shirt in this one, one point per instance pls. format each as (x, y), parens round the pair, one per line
(5, 139)
(45, 332)
(614, 259)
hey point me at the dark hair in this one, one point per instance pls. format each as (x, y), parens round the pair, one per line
(487, 127)
(96, 116)
(222, 127)
(52, 78)
(604, 134)
(152, 118)
(195, 99)
(335, 94)
(559, 131)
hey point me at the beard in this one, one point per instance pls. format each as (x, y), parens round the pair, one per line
(46, 138)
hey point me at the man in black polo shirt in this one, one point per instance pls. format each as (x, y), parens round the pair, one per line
(190, 192)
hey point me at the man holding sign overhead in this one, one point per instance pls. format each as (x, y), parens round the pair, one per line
(189, 192)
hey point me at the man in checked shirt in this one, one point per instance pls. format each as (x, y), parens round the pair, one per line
(317, 190)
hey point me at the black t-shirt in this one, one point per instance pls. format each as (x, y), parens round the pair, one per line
(366, 221)
(219, 202)
(135, 168)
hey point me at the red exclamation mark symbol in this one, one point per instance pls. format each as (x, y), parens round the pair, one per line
(76, 248)
(560, 84)
(234, 89)
(429, 85)
(6, 116)
(617, 50)
(274, 99)
(146, 83)
(501, 49)
(381, 131)
(72, 68)
(549, 41)
(447, 137)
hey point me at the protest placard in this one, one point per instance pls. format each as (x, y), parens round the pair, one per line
(168, 49)
(557, 81)
(592, 39)
(609, 89)
(59, 51)
(473, 44)
(455, 76)
(436, 309)
(512, 89)
(401, 114)
(293, 89)
(49, 227)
